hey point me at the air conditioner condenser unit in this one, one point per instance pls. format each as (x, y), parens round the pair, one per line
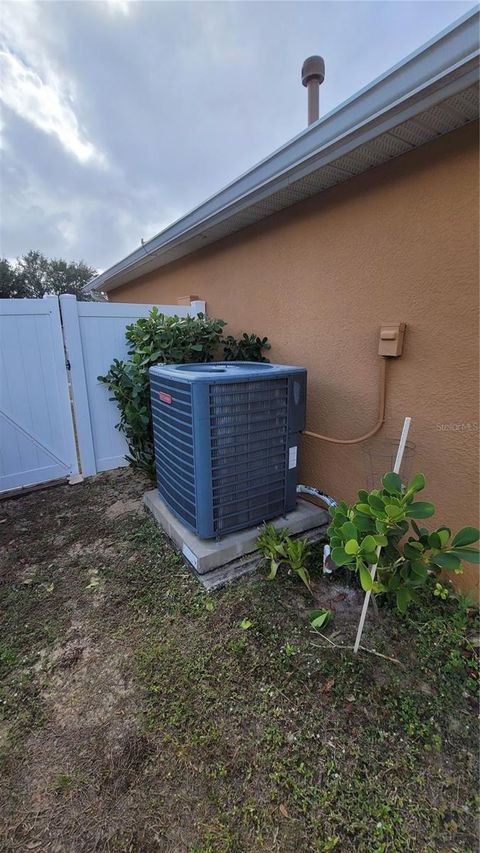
(226, 441)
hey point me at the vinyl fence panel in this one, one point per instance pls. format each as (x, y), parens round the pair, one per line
(94, 336)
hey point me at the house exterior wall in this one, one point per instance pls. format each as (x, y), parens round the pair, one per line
(399, 243)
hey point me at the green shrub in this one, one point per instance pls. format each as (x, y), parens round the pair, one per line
(246, 348)
(373, 530)
(155, 339)
(158, 339)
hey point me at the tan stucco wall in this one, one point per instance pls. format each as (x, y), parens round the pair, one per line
(399, 243)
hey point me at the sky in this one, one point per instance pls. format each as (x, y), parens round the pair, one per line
(119, 116)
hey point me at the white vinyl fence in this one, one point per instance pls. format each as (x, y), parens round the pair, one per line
(37, 441)
(37, 428)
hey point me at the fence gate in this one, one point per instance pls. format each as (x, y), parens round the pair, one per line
(37, 337)
(95, 335)
(37, 442)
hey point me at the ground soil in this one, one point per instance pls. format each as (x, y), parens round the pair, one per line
(137, 714)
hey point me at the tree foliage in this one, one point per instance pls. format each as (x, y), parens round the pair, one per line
(34, 276)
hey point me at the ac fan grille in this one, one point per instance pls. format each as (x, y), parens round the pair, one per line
(248, 430)
(173, 432)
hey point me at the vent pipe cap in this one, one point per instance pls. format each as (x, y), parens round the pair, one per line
(313, 69)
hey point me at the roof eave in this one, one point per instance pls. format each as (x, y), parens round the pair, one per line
(445, 67)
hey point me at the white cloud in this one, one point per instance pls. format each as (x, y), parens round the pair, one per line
(120, 6)
(45, 106)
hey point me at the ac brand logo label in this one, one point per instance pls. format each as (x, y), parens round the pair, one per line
(165, 398)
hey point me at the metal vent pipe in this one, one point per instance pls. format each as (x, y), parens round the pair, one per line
(313, 74)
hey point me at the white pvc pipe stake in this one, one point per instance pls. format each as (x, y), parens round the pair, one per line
(373, 570)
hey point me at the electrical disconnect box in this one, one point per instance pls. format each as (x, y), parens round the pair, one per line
(391, 339)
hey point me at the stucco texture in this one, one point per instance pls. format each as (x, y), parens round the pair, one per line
(399, 243)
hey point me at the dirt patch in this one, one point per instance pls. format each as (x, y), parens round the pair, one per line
(344, 601)
(122, 507)
(88, 686)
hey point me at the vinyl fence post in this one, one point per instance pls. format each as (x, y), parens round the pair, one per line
(81, 407)
(198, 306)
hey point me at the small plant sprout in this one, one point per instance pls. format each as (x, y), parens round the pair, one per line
(245, 624)
(441, 591)
(272, 544)
(320, 618)
(278, 547)
(298, 553)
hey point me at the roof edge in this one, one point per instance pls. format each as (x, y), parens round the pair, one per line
(450, 56)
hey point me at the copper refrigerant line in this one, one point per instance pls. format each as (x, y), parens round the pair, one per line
(381, 414)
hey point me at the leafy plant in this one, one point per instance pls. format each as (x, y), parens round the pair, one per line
(278, 547)
(373, 531)
(158, 339)
(298, 552)
(272, 545)
(246, 348)
(152, 340)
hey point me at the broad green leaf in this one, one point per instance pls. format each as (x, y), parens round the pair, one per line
(245, 624)
(352, 546)
(371, 557)
(364, 509)
(446, 561)
(434, 540)
(365, 578)
(419, 570)
(369, 543)
(392, 483)
(349, 530)
(416, 484)
(340, 557)
(376, 502)
(410, 552)
(444, 534)
(470, 555)
(381, 540)
(393, 512)
(466, 536)
(363, 496)
(363, 523)
(420, 509)
(403, 598)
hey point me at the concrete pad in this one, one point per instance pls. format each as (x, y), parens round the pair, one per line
(215, 562)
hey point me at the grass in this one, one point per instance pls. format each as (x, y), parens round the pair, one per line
(142, 713)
